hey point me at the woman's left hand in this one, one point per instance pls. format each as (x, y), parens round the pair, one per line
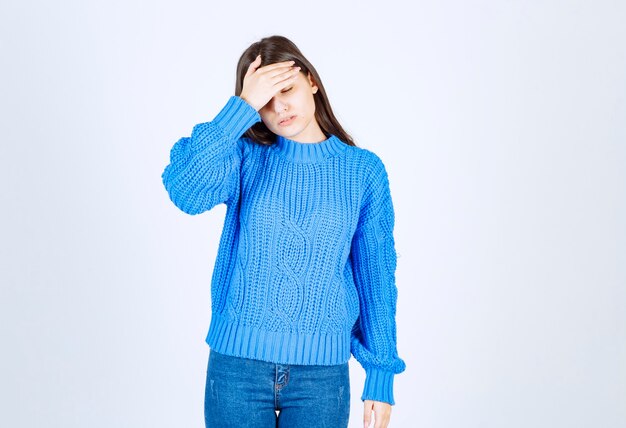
(382, 411)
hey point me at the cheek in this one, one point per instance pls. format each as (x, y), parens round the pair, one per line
(264, 117)
(311, 105)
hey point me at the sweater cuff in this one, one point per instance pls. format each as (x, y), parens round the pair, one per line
(236, 117)
(378, 385)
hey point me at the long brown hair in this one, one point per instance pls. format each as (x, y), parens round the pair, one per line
(278, 49)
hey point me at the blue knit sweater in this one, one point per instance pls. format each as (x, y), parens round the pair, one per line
(305, 270)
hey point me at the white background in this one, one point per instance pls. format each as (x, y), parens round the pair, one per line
(502, 126)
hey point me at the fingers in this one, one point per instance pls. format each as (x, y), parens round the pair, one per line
(260, 84)
(367, 413)
(282, 78)
(381, 422)
(382, 414)
(269, 67)
(277, 65)
(277, 72)
(254, 64)
(287, 76)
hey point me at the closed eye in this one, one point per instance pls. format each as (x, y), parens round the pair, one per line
(287, 90)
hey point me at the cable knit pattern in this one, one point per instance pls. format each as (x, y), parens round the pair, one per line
(305, 270)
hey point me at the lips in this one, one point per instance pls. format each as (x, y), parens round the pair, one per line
(287, 121)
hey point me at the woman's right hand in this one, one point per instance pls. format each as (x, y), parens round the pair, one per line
(261, 84)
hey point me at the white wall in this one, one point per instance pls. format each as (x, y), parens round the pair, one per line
(502, 128)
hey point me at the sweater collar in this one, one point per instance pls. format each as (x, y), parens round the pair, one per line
(309, 152)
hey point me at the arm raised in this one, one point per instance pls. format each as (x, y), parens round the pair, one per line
(204, 168)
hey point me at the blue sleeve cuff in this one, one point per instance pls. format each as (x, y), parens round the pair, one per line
(236, 117)
(378, 385)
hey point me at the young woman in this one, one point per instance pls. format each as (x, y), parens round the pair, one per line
(305, 271)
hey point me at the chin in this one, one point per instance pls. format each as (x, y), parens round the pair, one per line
(288, 133)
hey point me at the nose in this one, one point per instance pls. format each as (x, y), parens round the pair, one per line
(279, 106)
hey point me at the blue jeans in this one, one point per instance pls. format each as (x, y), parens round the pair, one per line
(242, 392)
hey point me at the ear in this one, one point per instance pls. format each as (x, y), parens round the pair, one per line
(312, 83)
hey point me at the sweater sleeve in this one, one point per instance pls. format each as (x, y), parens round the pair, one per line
(204, 168)
(373, 258)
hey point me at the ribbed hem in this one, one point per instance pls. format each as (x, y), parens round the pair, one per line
(378, 385)
(236, 117)
(230, 338)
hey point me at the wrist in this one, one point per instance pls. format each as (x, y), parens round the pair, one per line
(245, 98)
